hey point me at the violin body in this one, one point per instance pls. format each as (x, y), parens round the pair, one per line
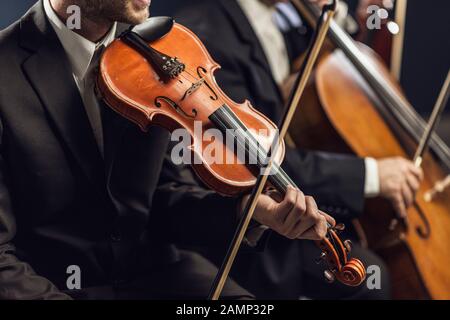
(341, 113)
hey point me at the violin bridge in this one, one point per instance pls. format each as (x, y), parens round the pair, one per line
(195, 86)
(175, 106)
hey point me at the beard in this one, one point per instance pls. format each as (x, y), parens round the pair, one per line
(125, 11)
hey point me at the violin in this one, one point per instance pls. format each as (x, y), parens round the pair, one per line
(159, 73)
(354, 106)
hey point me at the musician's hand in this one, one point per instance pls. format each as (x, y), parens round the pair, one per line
(399, 182)
(295, 217)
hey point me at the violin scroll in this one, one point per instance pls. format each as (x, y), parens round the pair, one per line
(353, 273)
(350, 272)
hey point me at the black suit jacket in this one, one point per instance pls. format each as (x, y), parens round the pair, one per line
(61, 203)
(336, 181)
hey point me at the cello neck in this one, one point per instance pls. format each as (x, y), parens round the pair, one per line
(393, 104)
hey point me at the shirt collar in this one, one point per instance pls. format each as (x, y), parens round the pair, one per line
(79, 50)
(262, 19)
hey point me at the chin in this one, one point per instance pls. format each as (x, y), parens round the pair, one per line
(135, 14)
(139, 17)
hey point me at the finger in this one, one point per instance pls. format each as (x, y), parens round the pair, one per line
(309, 219)
(297, 213)
(399, 207)
(408, 195)
(306, 223)
(329, 218)
(284, 207)
(413, 183)
(317, 232)
(275, 195)
(416, 171)
(311, 203)
(310, 234)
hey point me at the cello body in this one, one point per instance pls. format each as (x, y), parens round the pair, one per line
(341, 113)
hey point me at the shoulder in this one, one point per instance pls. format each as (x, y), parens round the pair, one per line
(11, 55)
(9, 40)
(24, 30)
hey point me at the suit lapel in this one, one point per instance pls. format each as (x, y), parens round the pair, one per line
(114, 126)
(247, 34)
(245, 31)
(49, 74)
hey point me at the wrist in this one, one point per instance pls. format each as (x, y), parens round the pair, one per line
(372, 178)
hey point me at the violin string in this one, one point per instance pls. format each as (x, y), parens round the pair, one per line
(280, 180)
(281, 174)
(285, 179)
(184, 77)
(192, 75)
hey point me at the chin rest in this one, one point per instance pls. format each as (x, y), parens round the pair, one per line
(140, 38)
(153, 29)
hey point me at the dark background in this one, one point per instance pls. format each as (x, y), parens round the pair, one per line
(426, 53)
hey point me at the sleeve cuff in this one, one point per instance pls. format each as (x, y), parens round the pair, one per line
(372, 180)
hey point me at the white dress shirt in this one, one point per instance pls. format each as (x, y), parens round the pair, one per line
(83, 56)
(262, 18)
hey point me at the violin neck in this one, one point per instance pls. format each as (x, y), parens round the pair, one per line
(226, 120)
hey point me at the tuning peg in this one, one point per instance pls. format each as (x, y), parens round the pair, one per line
(348, 245)
(321, 258)
(339, 227)
(329, 276)
(393, 225)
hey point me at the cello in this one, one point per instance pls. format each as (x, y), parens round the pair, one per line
(159, 73)
(354, 106)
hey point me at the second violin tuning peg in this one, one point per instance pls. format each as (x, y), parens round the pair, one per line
(321, 258)
(329, 276)
(348, 245)
(339, 227)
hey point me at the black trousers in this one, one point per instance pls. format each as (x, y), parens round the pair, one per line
(286, 269)
(190, 278)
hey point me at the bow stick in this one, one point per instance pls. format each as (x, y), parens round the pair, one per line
(325, 19)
